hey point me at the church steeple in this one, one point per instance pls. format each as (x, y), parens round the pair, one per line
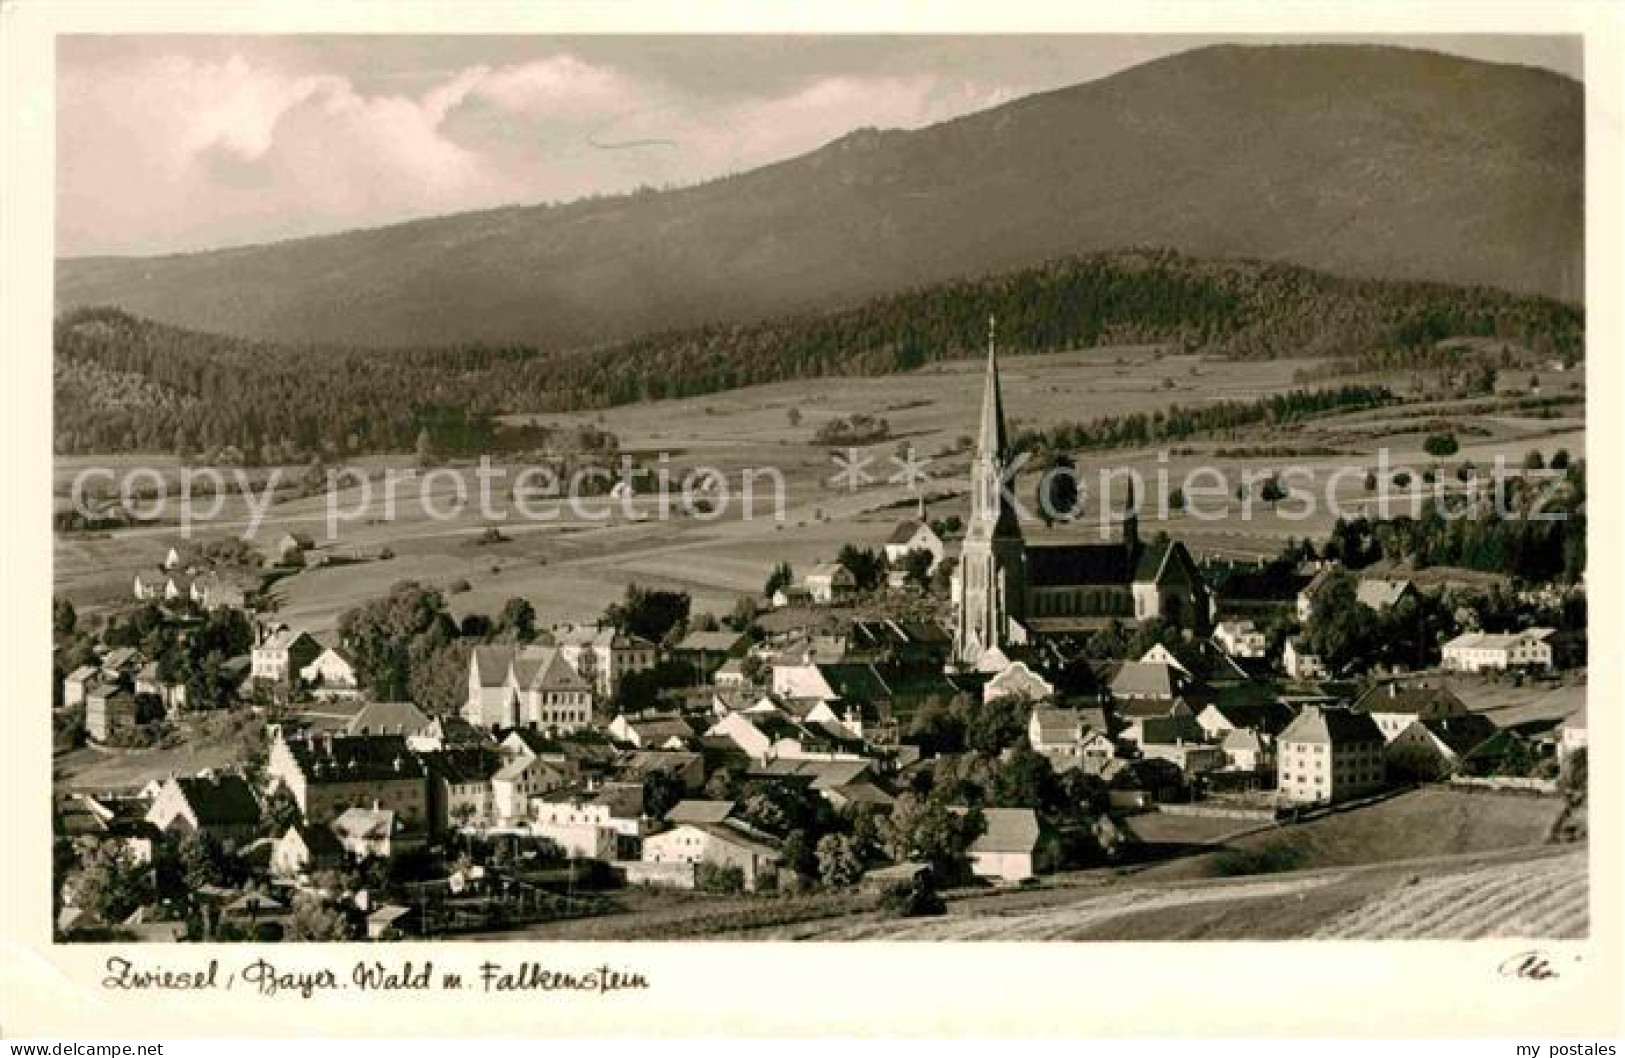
(988, 502)
(991, 579)
(990, 441)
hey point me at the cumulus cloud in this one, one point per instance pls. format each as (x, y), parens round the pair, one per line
(171, 151)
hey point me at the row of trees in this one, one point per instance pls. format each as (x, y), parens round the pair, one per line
(407, 645)
(1182, 424)
(1533, 545)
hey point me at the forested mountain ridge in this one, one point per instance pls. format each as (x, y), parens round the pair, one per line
(1358, 160)
(128, 384)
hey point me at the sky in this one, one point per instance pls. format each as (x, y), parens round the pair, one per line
(177, 143)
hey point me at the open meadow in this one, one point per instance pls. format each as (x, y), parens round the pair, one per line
(576, 560)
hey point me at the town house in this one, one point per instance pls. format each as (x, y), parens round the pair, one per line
(329, 773)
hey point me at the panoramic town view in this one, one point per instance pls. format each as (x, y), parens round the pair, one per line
(906, 490)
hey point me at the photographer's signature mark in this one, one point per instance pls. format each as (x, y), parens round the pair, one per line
(1534, 965)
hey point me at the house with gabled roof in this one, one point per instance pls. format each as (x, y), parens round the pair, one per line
(331, 674)
(283, 653)
(1269, 718)
(685, 766)
(1240, 639)
(770, 736)
(910, 535)
(659, 731)
(1142, 680)
(122, 661)
(532, 686)
(1382, 593)
(1007, 848)
(1200, 661)
(223, 807)
(703, 653)
(374, 833)
(78, 682)
(1018, 682)
(1055, 731)
(291, 545)
(171, 692)
(306, 849)
(388, 718)
(1434, 747)
(1312, 590)
(1398, 703)
(224, 590)
(854, 694)
(1329, 754)
(1247, 749)
(829, 582)
(450, 732)
(603, 655)
(461, 792)
(1301, 662)
(329, 773)
(110, 711)
(728, 844)
(699, 812)
(605, 823)
(520, 780)
(1499, 652)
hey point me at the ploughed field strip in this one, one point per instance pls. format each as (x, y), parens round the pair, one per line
(1542, 898)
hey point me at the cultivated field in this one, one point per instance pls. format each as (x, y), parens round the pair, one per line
(1538, 899)
(1527, 893)
(1353, 865)
(1432, 821)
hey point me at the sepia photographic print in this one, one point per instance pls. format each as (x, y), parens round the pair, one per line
(552, 486)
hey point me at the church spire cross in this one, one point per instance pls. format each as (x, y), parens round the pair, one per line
(991, 441)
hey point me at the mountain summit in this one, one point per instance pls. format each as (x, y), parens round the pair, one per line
(1358, 160)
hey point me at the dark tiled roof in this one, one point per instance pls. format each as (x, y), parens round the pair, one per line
(699, 812)
(1146, 679)
(856, 683)
(742, 835)
(905, 531)
(225, 800)
(1462, 733)
(319, 842)
(464, 764)
(624, 800)
(355, 758)
(491, 665)
(1412, 698)
(1150, 559)
(1168, 730)
(656, 762)
(1332, 727)
(1140, 708)
(388, 718)
(1269, 717)
(710, 642)
(1008, 830)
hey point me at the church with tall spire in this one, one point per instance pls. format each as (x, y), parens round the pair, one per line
(993, 557)
(1006, 592)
